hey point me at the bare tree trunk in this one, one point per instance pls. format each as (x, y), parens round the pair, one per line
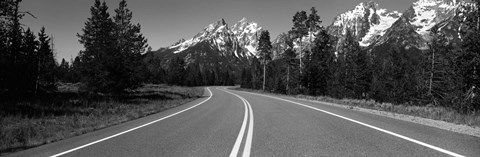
(310, 35)
(431, 73)
(300, 86)
(301, 52)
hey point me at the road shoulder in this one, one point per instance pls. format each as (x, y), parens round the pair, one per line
(458, 128)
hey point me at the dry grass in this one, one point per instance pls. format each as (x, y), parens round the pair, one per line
(37, 121)
(430, 112)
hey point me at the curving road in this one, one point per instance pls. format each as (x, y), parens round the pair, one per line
(234, 123)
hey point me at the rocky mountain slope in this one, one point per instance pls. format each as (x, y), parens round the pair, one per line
(373, 26)
(240, 39)
(217, 47)
(367, 22)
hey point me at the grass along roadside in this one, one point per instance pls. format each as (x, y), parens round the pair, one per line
(38, 121)
(439, 117)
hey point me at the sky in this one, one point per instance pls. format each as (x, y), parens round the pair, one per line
(164, 22)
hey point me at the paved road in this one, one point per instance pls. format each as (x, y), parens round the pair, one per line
(235, 123)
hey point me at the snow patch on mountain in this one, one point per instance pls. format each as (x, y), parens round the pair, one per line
(386, 20)
(359, 11)
(428, 13)
(247, 34)
(367, 22)
(241, 35)
(182, 46)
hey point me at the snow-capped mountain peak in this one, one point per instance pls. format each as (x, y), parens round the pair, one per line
(247, 34)
(241, 36)
(367, 22)
(207, 33)
(413, 29)
(239, 25)
(424, 14)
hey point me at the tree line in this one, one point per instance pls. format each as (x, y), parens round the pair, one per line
(27, 61)
(445, 75)
(114, 60)
(178, 72)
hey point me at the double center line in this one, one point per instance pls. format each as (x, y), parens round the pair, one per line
(248, 141)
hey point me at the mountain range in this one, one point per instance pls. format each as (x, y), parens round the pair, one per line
(218, 46)
(373, 27)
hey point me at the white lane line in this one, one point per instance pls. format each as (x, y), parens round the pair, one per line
(248, 142)
(238, 142)
(138, 127)
(370, 126)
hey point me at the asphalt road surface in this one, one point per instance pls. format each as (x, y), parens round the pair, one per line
(233, 123)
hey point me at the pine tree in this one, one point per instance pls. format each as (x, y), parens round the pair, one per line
(362, 74)
(15, 46)
(256, 73)
(4, 44)
(441, 77)
(176, 71)
(28, 63)
(306, 72)
(318, 70)
(211, 77)
(431, 67)
(299, 30)
(129, 46)
(265, 50)
(99, 59)
(11, 45)
(396, 79)
(17, 50)
(313, 23)
(246, 78)
(75, 70)
(46, 63)
(276, 74)
(193, 75)
(63, 71)
(290, 62)
(350, 70)
(155, 72)
(469, 59)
